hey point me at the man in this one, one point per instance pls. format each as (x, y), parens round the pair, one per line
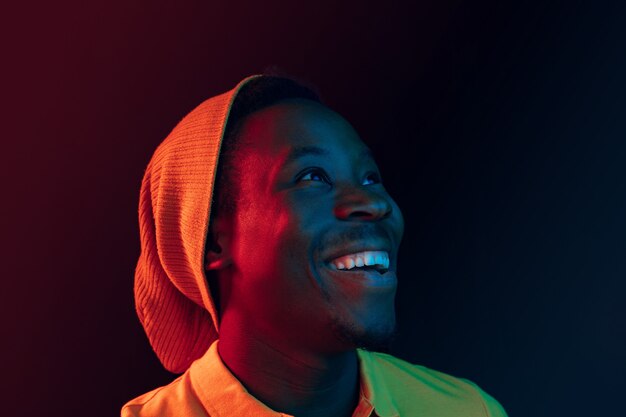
(288, 254)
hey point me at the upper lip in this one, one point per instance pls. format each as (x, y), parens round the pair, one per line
(356, 247)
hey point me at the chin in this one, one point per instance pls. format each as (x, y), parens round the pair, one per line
(375, 336)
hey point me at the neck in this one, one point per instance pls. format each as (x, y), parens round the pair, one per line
(289, 378)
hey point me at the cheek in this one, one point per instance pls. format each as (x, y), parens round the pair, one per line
(275, 271)
(268, 239)
(256, 241)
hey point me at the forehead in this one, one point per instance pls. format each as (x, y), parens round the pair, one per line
(298, 123)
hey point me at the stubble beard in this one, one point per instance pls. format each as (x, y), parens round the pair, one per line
(374, 337)
(377, 336)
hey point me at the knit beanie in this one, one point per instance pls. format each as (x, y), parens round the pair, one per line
(172, 296)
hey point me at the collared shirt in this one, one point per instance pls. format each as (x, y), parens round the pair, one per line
(390, 387)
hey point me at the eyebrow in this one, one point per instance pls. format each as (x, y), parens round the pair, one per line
(302, 151)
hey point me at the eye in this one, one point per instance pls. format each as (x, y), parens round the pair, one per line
(313, 175)
(372, 178)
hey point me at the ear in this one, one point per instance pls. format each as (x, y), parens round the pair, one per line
(218, 253)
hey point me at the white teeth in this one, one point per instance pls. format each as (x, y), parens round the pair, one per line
(377, 259)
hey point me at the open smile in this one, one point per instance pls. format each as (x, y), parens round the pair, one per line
(366, 260)
(368, 267)
(367, 277)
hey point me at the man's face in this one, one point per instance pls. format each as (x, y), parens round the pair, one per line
(312, 204)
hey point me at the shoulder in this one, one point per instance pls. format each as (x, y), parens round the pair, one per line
(175, 399)
(413, 386)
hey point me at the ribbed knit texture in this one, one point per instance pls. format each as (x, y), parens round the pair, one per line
(172, 296)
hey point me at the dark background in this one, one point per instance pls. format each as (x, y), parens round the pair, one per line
(500, 130)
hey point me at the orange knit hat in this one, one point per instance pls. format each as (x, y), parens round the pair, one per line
(172, 296)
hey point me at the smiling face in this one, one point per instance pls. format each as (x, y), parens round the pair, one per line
(313, 240)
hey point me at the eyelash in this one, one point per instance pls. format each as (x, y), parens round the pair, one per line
(324, 177)
(376, 177)
(318, 171)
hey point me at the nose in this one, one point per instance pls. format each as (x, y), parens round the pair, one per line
(362, 205)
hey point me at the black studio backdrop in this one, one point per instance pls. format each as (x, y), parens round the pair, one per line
(500, 130)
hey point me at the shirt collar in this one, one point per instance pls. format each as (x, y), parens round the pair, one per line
(221, 393)
(373, 386)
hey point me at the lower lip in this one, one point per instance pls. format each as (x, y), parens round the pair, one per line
(374, 279)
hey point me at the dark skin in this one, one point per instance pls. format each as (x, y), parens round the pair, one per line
(291, 318)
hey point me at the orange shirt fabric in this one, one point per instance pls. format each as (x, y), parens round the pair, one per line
(390, 387)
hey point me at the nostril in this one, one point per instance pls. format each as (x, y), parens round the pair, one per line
(361, 214)
(362, 204)
(363, 210)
